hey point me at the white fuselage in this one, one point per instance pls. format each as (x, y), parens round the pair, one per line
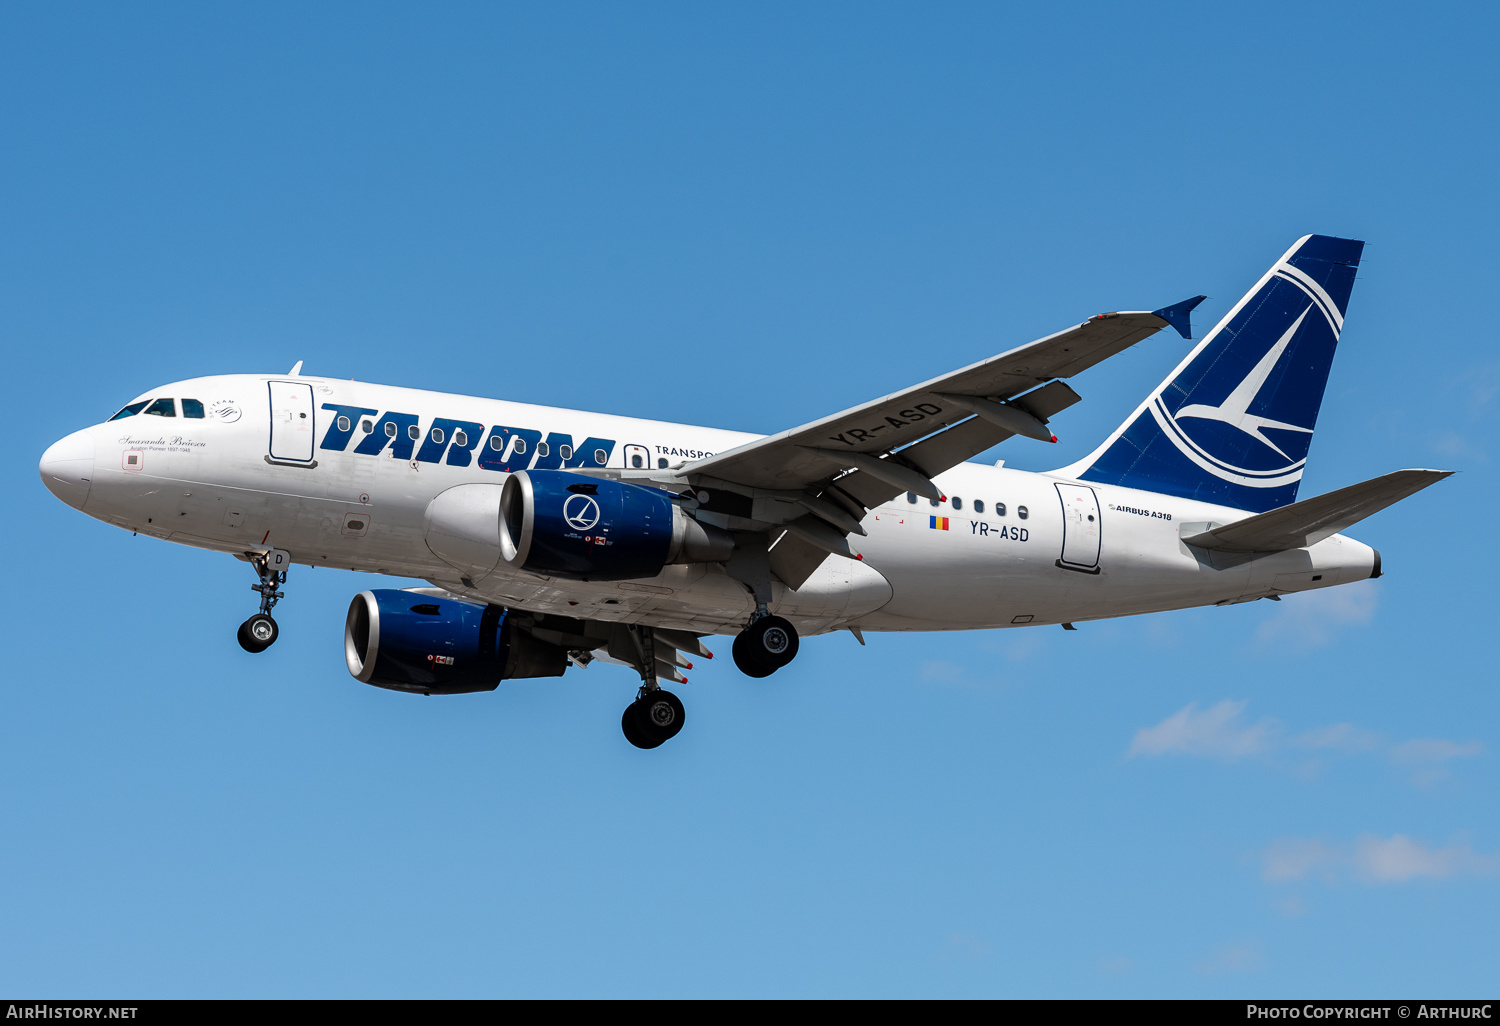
(211, 482)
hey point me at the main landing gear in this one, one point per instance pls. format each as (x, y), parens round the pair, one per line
(653, 719)
(656, 715)
(764, 647)
(260, 631)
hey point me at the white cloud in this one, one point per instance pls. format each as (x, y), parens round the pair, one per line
(1214, 732)
(939, 671)
(1371, 860)
(1484, 385)
(1293, 858)
(1399, 858)
(1339, 737)
(1311, 618)
(1240, 958)
(1432, 749)
(1459, 447)
(1222, 732)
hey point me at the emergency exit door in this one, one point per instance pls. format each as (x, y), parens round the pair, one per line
(291, 422)
(637, 457)
(1080, 550)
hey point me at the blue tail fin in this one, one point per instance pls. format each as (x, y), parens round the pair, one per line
(1233, 423)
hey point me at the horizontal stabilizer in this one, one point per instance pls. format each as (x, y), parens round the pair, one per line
(1311, 520)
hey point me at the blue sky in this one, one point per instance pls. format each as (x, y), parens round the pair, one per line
(746, 216)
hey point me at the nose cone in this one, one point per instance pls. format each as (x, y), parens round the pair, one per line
(68, 466)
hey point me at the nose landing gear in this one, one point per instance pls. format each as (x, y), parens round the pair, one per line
(260, 631)
(768, 644)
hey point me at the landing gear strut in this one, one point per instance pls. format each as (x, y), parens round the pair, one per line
(260, 631)
(656, 715)
(764, 647)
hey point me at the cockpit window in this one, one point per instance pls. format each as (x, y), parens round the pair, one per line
(131, 410)
(162, 408)
(192, 408)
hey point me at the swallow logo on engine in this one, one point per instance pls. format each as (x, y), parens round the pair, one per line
(581, 512)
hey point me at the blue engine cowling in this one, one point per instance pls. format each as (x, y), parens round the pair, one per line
(408, 641)
(585, 528)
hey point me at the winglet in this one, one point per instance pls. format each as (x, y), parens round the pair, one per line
(296, 370)
(1177, 316)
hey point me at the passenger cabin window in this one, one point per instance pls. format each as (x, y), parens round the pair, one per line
(1021, 512)
(343, 421)
(390, 429)
(958, 503)
(638, 461)
(497, 442)
(978, 505)
(460, 438)
(192, 408)
(999, 509)
(543, 449)
(661, 464)
(131, 410)
(413, 432)
(565, 451)
(911, 497)
(366, 426)
(601, 457)
(520, 449)
(162, 408)
(437, 435)
(936, 502)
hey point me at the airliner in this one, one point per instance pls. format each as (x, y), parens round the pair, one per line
(550, 538)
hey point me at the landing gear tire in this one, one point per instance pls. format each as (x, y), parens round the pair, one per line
(659, 714)
(258, 633)
(765, 646)
(630, 724)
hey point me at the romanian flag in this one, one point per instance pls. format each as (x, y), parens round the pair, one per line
(940, 523)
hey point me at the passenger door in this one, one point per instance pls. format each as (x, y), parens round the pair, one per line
(1080, 550)
(291, 422)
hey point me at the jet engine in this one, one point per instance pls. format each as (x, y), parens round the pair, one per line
(567, 525)
(409, 641)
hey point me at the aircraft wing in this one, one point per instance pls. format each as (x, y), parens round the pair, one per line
(815, 452)
(830, 471)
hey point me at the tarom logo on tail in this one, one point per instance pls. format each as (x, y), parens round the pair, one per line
(1233, 423)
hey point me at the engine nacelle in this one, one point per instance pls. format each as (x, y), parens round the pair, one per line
(568, 525)
(408, 641)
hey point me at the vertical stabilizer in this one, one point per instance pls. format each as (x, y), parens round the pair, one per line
(1233, 423)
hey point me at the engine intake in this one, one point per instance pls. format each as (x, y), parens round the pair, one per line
(407, 641)
(568, 525)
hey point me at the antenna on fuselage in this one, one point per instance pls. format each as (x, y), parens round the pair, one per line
(296, 370)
